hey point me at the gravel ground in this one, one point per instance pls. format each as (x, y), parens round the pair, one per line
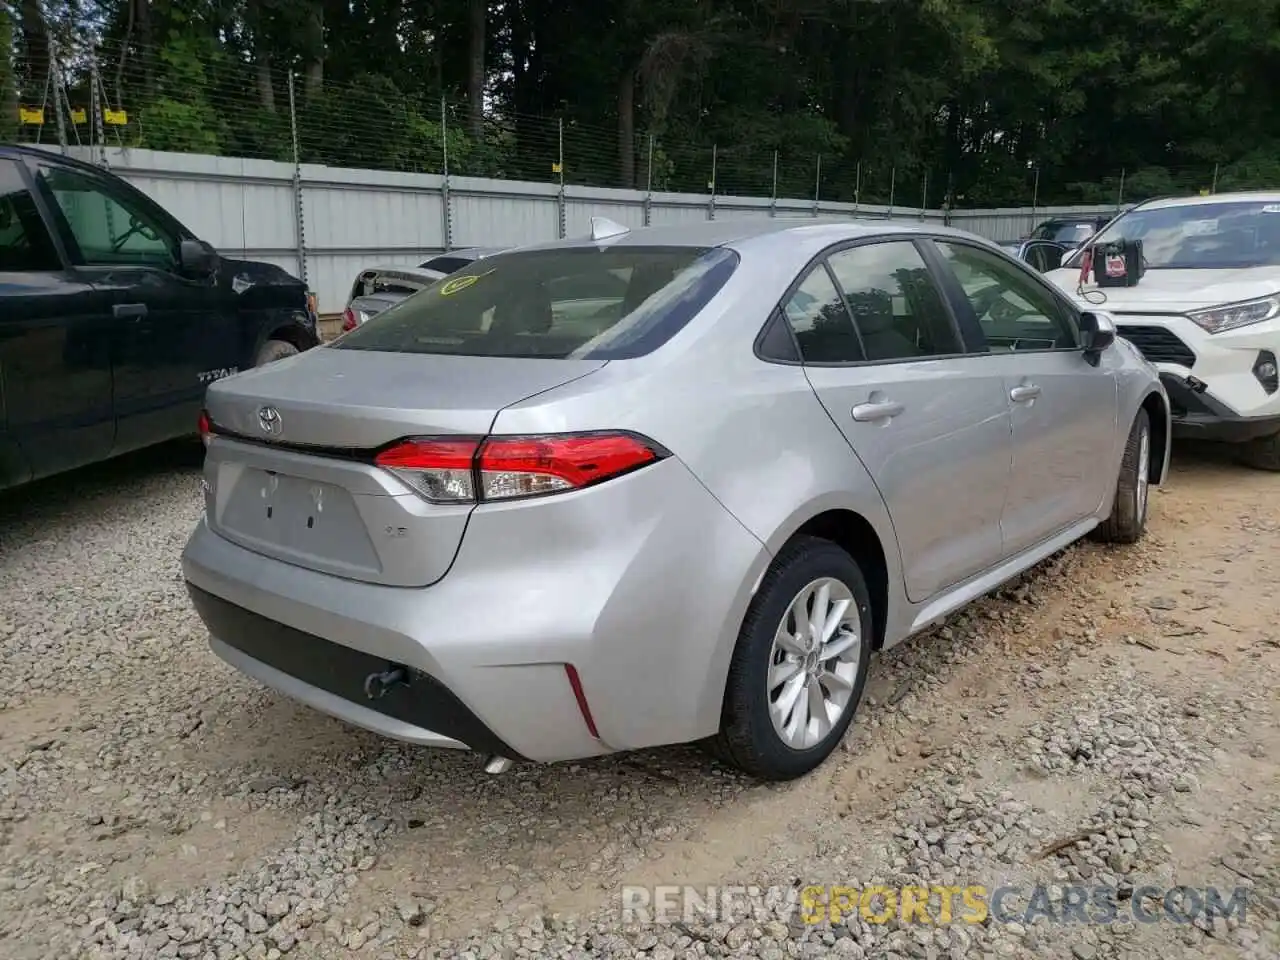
(1111, 719)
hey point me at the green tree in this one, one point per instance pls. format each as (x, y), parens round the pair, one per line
(989, 102)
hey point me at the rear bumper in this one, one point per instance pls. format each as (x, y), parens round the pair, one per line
(640, 584)
(1200, 416)
(331, 678)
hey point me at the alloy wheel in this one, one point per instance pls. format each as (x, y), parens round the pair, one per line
(814, 663)
(1144, 472)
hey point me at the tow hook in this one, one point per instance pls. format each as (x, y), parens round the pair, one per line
(378, 685)
(495, 764)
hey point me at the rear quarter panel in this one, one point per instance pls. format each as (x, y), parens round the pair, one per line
(269, 303)
(752, 433)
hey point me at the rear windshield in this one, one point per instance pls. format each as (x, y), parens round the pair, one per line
(577, 303)
(1064, 231)
(373, 283)
(1227, 234)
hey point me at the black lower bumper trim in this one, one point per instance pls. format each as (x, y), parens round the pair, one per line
(1198, 416)
(423, 701)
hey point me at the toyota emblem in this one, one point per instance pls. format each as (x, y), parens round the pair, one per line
(269, 420)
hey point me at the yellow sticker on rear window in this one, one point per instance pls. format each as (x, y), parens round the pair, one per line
(458, 284)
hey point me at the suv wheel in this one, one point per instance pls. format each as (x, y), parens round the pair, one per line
(274, 350)
(1262, 453)
(1128, 520)
(800, 664)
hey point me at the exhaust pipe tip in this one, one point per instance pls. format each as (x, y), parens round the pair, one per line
(494, 764)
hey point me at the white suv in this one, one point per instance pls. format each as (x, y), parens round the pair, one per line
(1206, 312)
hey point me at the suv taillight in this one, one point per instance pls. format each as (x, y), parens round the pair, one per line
(469, 470)
(348, 320)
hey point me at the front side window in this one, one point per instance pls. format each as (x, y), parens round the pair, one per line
(566, 303)
(1227, 234)
(1013, 311)
(107, 229)
(895, 303)
(25, 246)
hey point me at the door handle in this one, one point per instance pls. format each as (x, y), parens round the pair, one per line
(1025, 391)
(877, 410)
(124, 311)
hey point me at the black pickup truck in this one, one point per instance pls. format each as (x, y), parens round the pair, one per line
(114, 317)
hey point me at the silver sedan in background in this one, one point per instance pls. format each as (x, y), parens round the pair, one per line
(658, 486)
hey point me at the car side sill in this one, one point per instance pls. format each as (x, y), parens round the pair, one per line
(984, 583)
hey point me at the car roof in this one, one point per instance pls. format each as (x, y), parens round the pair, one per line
(740, 230)
(15, 150)
(1243, 196)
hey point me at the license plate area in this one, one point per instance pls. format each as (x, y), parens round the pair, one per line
(299, 519)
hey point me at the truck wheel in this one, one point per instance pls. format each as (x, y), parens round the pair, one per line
(274, 350)
(800, 664)
(1128, 520)
(1262, 453)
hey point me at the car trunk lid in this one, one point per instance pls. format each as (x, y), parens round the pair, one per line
(290, 471)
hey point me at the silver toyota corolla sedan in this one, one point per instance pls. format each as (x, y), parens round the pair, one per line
(659, 486)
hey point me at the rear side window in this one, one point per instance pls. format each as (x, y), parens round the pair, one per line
(25, 246)
(894, 301)
(574, 303)
(447, 265)
(821, 323)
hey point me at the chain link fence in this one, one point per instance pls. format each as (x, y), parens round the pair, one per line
(219, 106)
(207, 101)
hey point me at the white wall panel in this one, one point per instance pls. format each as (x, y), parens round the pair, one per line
(356, 218)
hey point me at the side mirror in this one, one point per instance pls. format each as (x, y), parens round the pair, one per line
(1044, 255)
(1098, 331)
(197, 258)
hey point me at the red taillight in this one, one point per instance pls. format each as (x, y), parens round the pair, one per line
(441, 469)
(451, 470)
(348, 320)
(528, 466)
(206, 427)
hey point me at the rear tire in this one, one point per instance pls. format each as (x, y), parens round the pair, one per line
(786, 705)
(1262, 453)
(1128, 520)
(274, 350)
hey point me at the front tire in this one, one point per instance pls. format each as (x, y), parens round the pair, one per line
(1128, 520)
(1262, 453)
(800, 665)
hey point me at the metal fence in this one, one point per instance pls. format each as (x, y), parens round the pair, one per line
(325, 224)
